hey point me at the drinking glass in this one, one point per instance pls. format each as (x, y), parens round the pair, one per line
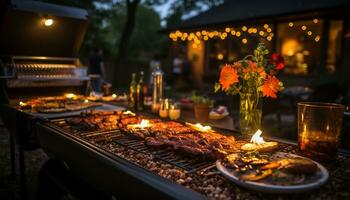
(319, 128)
(174, 111)
(164, 107)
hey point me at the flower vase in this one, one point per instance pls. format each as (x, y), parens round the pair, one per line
(250, 111)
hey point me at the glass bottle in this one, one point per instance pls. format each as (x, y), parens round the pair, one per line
(140, 93)
(157, 76)
(132, 94)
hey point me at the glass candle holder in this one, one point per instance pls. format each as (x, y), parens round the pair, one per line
(319, 128)
(164, 108)
(174, 111)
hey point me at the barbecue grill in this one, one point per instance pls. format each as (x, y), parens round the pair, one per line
(108, 172)
(42, 61)
(110, 158)
(39, 45)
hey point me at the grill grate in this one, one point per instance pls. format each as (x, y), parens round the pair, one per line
(187, 163)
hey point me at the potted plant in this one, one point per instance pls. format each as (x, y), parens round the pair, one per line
(202, 105)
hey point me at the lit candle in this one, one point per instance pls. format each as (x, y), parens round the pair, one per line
(114, 96)
(174, 113)
(163, 113)
(69, 95)
(257, 143)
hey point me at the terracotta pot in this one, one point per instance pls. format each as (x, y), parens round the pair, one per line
(201, 111)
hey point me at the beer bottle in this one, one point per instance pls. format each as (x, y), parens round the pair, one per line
(132, 94)
(140, 93)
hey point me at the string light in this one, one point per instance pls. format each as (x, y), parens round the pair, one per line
(291, 24)
(303, 27)
(317, 38)
(220, 56)
(269, 38)
(204, 35)
(315, 20)
(309, 32)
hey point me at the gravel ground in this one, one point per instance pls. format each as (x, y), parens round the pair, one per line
(9, 187)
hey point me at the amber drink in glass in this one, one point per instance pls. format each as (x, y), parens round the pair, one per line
(319, 128)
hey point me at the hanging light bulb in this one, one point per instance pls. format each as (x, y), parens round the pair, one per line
(48, 22)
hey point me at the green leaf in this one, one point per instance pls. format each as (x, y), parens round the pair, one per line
(217, 87)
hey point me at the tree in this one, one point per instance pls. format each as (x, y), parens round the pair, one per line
(121, 58)
(105, 15)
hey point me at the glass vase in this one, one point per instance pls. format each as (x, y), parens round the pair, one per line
(250, 111)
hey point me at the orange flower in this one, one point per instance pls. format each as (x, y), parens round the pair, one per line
(253, 68)
(228, 76)
(270, 87)
(237, 66)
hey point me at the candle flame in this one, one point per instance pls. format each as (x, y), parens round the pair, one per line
(199, 127)
(128, 112)
(114, 96)
(143, 124)
(69, 95)
(21, 103)
(86, 101)
(256, 138)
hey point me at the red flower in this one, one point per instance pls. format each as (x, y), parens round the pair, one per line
(228, 76)
(277, 60)
(270, 87)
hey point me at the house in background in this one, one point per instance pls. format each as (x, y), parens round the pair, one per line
(312, 35)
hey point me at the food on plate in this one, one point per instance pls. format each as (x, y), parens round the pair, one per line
(274, 169)
(58, 104)
(218, 113)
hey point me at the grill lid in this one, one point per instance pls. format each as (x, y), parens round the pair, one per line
(26, 29)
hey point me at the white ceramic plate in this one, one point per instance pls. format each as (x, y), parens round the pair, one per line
(322, 177)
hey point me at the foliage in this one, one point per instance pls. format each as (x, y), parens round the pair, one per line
(181, 8)
(252, 74)
(201, 99)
